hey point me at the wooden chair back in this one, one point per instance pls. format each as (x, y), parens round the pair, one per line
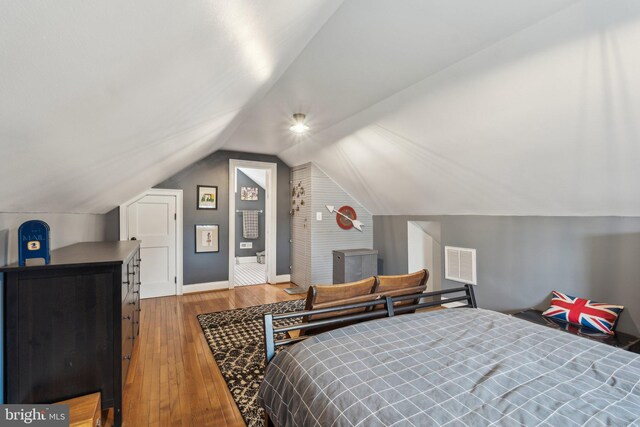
(404, 284)
(324, 296)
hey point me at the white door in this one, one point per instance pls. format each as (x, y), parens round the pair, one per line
(152, 220)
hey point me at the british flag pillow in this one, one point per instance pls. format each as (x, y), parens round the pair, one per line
(579, 311)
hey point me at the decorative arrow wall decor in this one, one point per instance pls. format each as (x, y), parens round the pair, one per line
(346, 217)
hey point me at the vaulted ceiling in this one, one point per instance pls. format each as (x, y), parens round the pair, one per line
(415, 106)
(101, 100)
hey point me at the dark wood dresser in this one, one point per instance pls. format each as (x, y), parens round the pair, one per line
(71, 326)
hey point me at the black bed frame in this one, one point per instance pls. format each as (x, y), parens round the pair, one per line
(270, 342)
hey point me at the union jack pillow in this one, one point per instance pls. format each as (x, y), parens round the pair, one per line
(595, 315)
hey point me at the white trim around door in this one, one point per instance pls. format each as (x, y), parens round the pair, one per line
(271, 220)
(124, 225)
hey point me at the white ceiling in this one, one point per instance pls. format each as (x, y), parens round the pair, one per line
(102, 100)
(544, 122)
(259, 176)
(369, 50)
(415, 106)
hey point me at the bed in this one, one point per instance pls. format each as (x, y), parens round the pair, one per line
(465, 366)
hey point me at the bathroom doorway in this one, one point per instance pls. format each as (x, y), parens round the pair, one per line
(252, 229)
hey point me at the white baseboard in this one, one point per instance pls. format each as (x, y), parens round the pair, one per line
(283, 278)
(203, 287)
(149, 292)
(247, 259)
(216, 286)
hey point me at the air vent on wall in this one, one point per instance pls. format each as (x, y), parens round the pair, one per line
(460, 264)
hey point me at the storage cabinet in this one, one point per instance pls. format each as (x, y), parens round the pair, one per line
(71, 326)
(351, 265)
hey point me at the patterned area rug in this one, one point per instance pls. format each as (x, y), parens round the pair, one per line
(236, 341)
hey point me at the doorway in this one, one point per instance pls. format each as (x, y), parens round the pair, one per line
(424, 251)
(252, 222)
(154, 218)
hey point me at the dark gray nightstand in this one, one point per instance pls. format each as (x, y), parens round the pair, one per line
(620, 339)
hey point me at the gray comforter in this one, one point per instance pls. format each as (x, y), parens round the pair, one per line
(452, 367)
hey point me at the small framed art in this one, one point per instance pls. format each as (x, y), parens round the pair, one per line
(207, 238)
(207, 197)
(249, 193)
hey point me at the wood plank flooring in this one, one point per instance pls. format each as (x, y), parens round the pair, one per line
(173, 379)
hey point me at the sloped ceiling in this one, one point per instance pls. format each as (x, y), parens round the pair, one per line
(369, 50)
(259, 176)
(540, 120)
(416, 107)
(102, 100)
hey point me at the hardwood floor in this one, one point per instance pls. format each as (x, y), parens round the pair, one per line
(173, 379)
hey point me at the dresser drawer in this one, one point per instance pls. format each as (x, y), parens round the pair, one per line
(126, 283)
(128, 314)
(128, 336)
(136, 294)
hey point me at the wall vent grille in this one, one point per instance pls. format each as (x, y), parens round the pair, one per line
(460, 264)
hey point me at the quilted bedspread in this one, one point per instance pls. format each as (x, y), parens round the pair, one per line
(455, 367)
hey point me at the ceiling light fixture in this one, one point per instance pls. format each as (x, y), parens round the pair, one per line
(299, 126)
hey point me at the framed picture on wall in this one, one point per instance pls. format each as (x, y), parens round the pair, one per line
(207, 238)
(249, 193)
(207, 197)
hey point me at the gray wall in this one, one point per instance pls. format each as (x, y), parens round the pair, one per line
(112, 218)
(520, 260)
(258, 244)
(66, 229)
(214, 170)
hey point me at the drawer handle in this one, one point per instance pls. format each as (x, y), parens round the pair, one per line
(133, 273)
(132, 303)
(137, 322)
(126, 283)
(138, 283)
(126, 357)
(136, 292)
(127, 317)
(138, 309)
